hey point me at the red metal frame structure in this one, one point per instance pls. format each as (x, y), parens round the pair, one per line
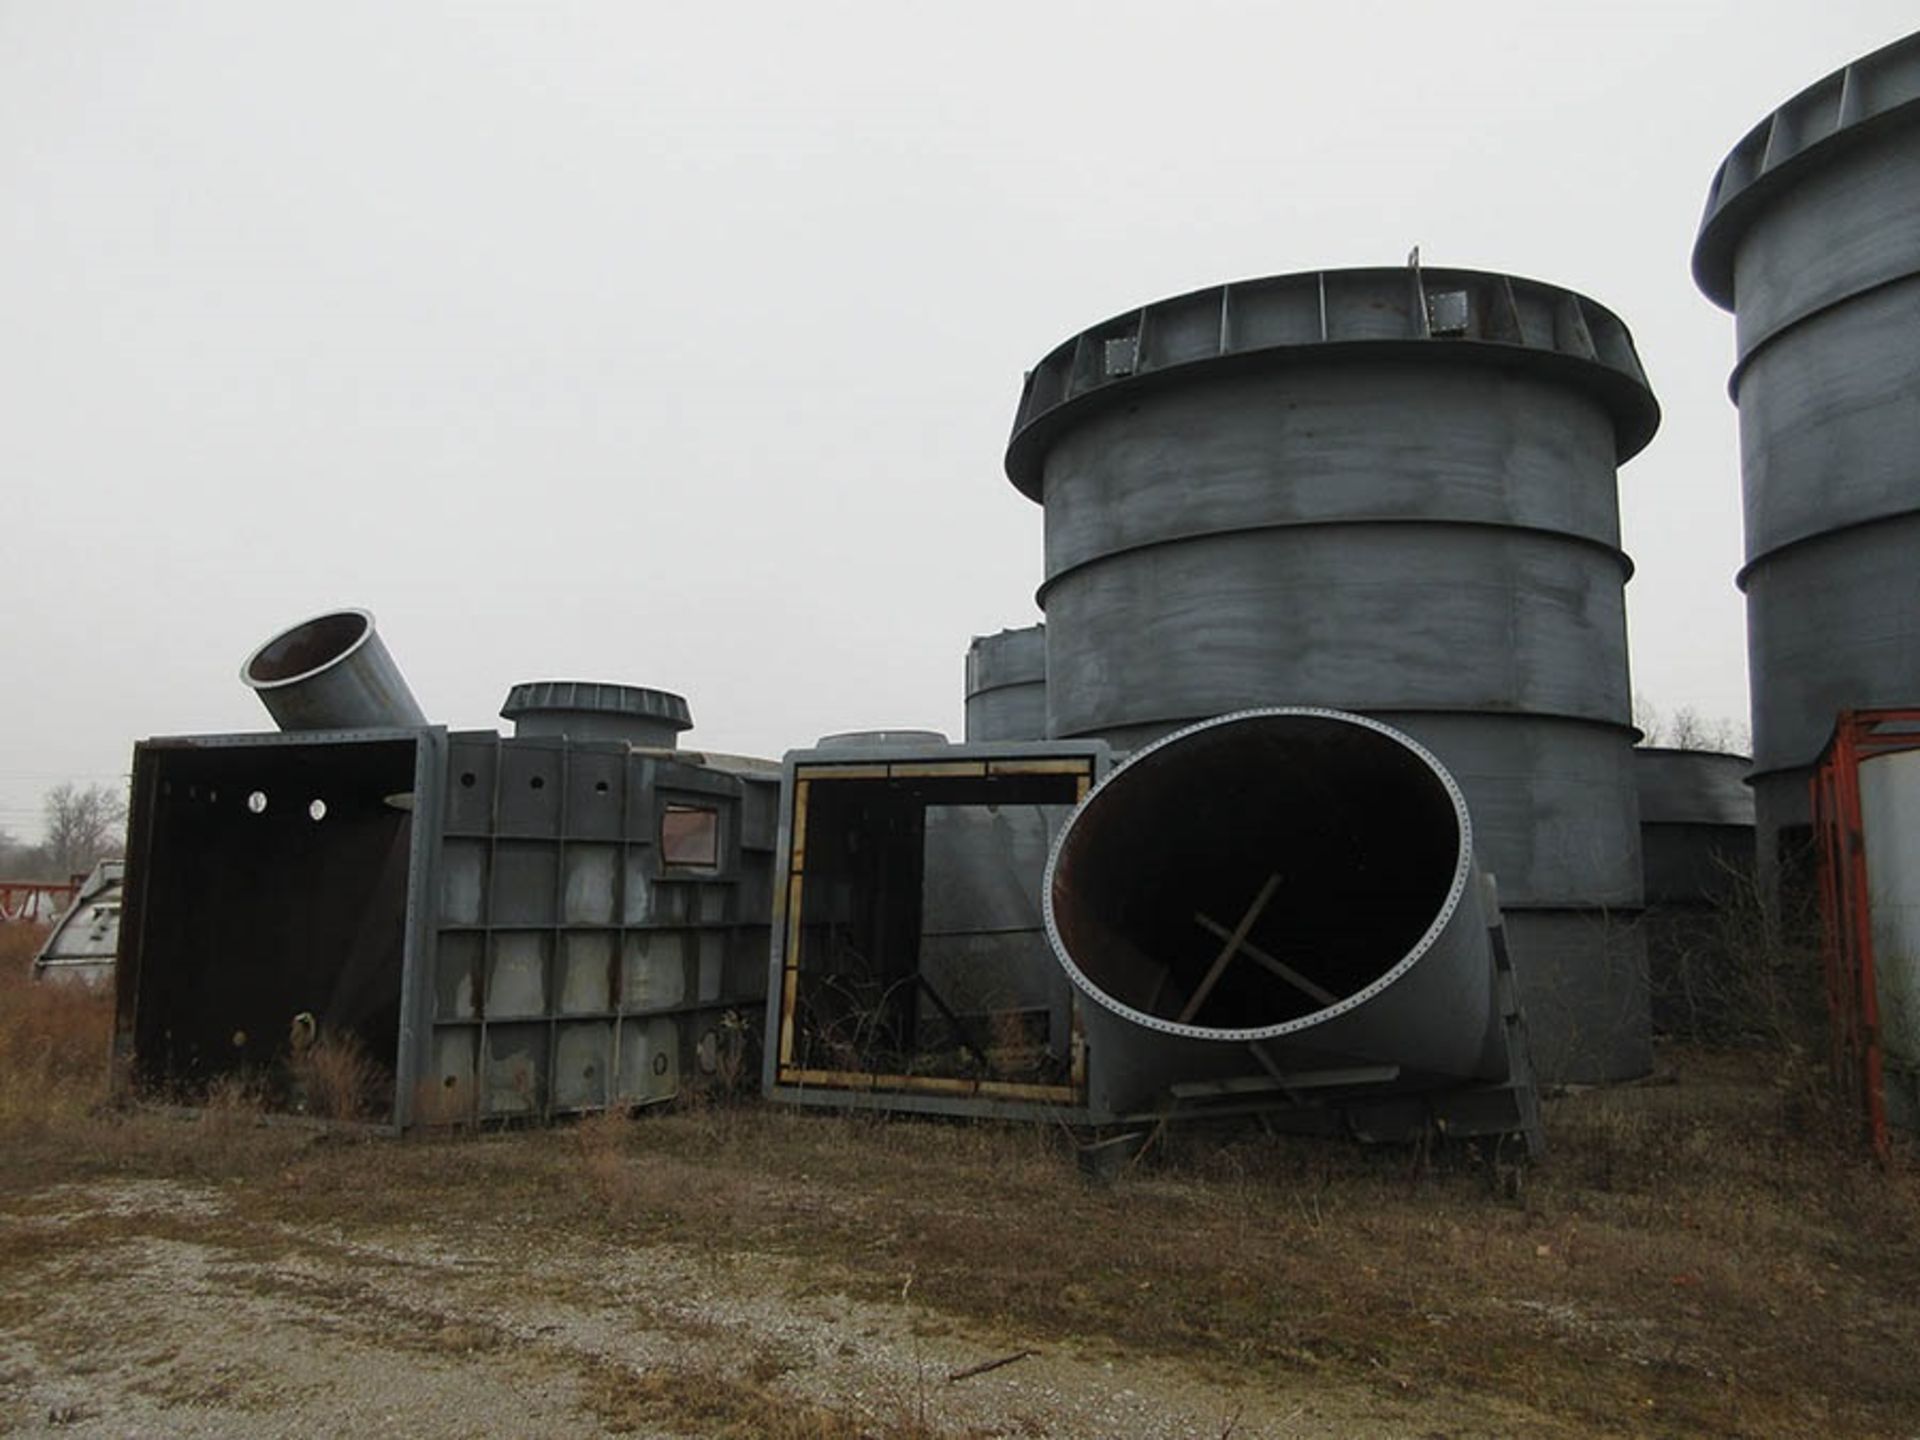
(20, 899)
(1846, 914)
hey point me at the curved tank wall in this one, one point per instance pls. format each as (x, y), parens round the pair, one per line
(1383, 491)
(1812, 238)
(1696, 847)
(1007, 686)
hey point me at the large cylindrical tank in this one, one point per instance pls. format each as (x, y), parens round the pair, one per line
(1696, 849)
(1296, 880)
(331, 673)
(1007, 686)
(1389, 491)
(1812, 238)
(594, 710)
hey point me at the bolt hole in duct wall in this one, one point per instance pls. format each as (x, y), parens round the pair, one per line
(1812, 238)
(1383, 491)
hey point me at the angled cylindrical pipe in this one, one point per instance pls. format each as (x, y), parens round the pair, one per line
(331, 673)
(1300, 881)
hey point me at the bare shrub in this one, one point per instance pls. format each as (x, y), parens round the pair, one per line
(334, 1078)
(54, 1037)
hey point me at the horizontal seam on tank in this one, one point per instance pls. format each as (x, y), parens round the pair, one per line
(1837, 532)
(1373, 712)
(1348, 523)
(1646, 824)
(1550, 907)
(1787, 327)
(1007, 685)
(1630, 404)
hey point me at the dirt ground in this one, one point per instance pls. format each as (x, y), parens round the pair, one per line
(1707, 1254)
(161, 1308)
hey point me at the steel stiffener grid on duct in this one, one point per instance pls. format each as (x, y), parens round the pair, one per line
(509, 928)
(1857, 1051)
(597, 914)
(856, 1014)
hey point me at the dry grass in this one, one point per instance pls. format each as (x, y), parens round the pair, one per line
(334, 1078)
(1701, 1257)
(720, 1406)
(54, 1040)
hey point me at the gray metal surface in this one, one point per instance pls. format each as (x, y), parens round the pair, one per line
(1512, 324)
(908, 914)
(502, 923)
(867, 739)
(1696, 847)
(983, 943)
(1311, 491)
(578, 962)
(1007, 685)
(1696, 825)
(1337, 855)
(1812, 237)
(82, 944)
(331, 673)
(589, 710)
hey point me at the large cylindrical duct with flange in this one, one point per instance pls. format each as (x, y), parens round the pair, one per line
(1007, 686)
(1696, 847)
(1812, 238)
(331, 673)
(594, 710)
(1388, 491)
(1295, 880)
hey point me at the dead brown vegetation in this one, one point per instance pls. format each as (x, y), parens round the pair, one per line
(1705, 1256)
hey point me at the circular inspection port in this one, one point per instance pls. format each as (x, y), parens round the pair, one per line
(309, 647)
(1244, 876)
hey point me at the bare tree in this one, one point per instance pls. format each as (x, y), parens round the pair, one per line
(83, 826)
(1691, 730)
(1687, 729)
(1646, 715)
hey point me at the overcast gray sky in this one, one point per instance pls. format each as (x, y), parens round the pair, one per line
(678, 345)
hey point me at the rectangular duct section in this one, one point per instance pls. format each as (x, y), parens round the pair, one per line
(506, 928)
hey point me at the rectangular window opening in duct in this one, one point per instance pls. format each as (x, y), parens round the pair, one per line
(923, 962)
(690, 837)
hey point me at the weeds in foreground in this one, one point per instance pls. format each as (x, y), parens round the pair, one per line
(1710, 1244)
(742, 1407)
(54, 1039)
(333, 1078)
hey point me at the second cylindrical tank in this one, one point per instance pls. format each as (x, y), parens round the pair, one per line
(1387, 491)
(1812, 238)
(1007, 686)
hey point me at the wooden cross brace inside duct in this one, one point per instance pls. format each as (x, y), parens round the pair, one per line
(1236, 943)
